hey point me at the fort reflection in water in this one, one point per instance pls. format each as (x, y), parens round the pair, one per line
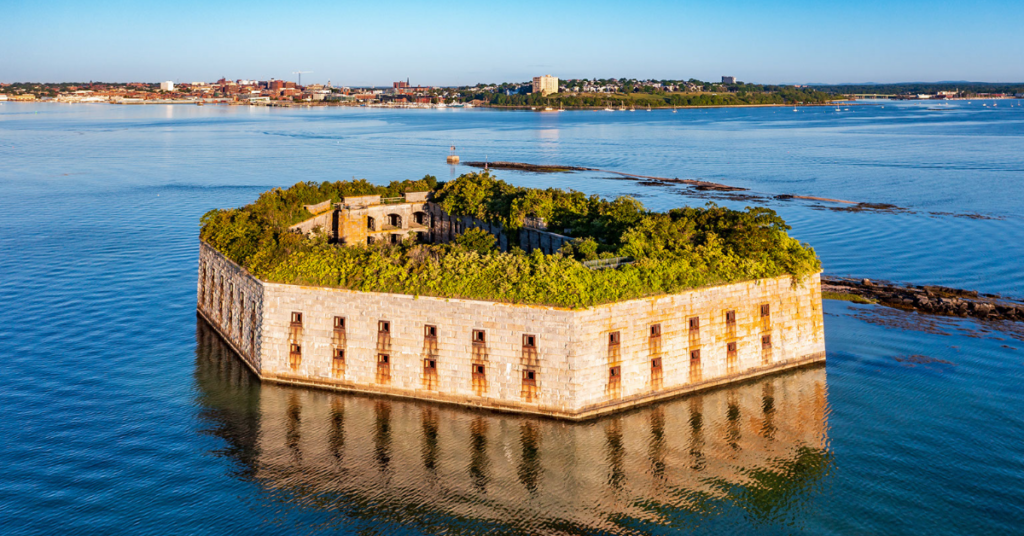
(748, 454)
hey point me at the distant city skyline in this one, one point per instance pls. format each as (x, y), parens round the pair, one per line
(462, 43)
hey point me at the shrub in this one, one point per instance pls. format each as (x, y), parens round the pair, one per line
(477, 240)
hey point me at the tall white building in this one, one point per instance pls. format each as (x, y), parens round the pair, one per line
(545, 85)
(167, 86)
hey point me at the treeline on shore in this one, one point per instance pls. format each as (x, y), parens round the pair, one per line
(928, 88)
(780, 96)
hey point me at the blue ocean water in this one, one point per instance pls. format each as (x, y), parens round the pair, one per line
(122, 413)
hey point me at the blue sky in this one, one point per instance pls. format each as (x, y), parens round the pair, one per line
(360, 43)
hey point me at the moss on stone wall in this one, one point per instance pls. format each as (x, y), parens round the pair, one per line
(673, 251)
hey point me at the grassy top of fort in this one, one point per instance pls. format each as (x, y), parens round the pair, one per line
(681, 249)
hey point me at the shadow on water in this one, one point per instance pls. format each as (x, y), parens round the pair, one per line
(748, 456)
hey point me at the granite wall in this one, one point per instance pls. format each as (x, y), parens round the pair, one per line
(537, 359)
(705, 336)
(232, 300)
(454, 348)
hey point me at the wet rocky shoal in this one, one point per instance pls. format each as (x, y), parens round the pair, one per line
(930, 299)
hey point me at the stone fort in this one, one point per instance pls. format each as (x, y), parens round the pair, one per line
(566, 363)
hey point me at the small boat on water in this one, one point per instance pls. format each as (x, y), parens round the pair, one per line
(609, 109)
(648, 107)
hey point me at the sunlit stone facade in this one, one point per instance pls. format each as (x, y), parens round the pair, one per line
(545, 360)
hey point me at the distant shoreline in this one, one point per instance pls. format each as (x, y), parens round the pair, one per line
(286, 104)
(688, 107)
(544, 109)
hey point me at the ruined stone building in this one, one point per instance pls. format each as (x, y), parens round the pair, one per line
(369, 219)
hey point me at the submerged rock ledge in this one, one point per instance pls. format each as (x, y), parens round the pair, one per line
(931, 299)
(521, 166)
(554, 168)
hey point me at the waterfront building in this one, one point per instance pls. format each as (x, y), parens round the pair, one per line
(167, 86)
(545, 85)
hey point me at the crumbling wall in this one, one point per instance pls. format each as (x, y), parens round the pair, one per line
(549, 243)
(324, 221)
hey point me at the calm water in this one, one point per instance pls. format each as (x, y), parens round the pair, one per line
(122, 414)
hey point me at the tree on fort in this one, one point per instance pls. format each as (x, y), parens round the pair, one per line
(673, 251)
(477, 240)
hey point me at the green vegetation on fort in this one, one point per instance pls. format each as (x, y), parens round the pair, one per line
(681, 249)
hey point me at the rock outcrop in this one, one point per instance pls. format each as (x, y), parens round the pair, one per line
(931, 299)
